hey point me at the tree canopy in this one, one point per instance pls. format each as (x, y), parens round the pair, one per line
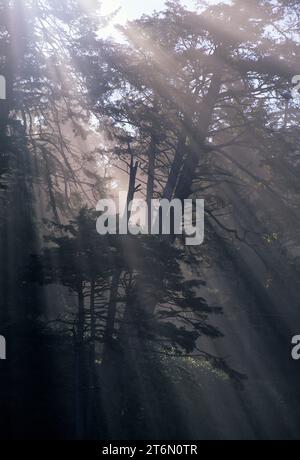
(134, 332)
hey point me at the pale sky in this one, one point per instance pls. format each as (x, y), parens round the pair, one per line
(132, 9)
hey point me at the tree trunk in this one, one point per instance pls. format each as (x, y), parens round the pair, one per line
(151, 170)
(197, 136)
(111, 314)
(175, 168)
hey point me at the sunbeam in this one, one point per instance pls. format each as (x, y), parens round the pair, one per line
(113, 326)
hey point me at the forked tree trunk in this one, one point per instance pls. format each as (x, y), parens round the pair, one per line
(197, 137)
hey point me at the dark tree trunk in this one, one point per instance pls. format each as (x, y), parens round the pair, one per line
(197, 136)
(175, 169)
(111, 314)
(151, 170)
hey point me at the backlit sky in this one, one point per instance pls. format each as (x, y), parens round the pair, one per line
(135, 8)
(132, 9)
